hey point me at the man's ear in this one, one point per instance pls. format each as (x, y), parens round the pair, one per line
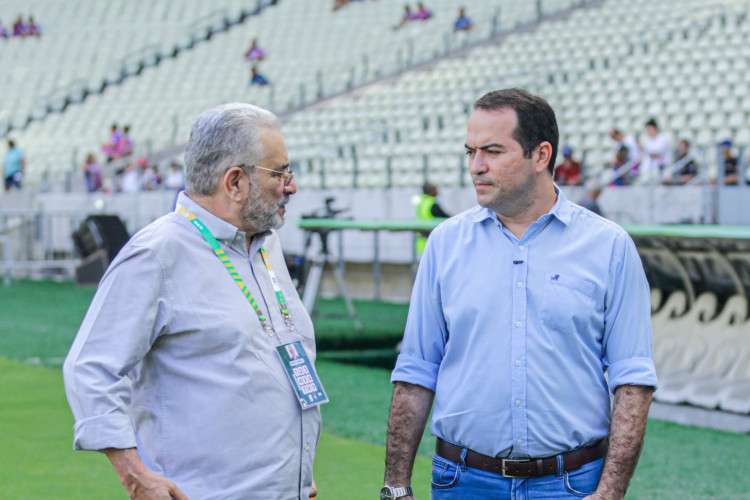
(232, 183)
(544, 152)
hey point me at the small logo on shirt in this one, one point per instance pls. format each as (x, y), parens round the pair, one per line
(556, 277)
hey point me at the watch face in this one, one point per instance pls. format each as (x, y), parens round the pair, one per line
(385, 493)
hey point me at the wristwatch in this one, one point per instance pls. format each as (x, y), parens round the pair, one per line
(391, 493)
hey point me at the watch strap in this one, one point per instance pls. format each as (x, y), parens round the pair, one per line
(402, 491)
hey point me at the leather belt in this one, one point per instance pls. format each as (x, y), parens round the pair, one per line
(523, 468)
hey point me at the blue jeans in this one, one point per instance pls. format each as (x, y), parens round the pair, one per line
(452, 481)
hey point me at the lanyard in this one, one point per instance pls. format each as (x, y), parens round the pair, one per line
(224, 258)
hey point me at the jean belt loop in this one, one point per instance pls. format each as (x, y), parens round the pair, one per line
(560, 466)
(463, 465)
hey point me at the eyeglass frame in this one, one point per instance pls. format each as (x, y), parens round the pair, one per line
(286, 173)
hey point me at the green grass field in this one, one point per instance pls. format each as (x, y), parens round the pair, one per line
(38, 322)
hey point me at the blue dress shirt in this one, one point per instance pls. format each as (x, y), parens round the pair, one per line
(171, 359)
(515, 336)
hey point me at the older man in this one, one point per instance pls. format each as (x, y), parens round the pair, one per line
(521, 306)
(181, 371)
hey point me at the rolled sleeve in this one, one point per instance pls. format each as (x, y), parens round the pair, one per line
(633, 371)
(105, 431)
(415, 371)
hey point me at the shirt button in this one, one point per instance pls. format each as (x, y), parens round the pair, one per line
(520, 284)
(518, 324)
(520, 441)
(518, 362)
(307, 446)
(518, 402)
(521, 248)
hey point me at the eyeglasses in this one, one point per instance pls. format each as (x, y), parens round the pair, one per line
(287, 174)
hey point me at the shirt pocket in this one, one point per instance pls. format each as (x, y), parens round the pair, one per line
(567, 302)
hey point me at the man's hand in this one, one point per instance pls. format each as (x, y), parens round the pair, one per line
(139, 482)
(314, 490)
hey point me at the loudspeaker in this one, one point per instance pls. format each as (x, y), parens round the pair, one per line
(98, 232)
(98, 239)
(92, 268)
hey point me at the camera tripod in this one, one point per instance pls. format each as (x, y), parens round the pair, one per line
(318, 266)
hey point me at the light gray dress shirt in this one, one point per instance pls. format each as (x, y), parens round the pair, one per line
(172, 359)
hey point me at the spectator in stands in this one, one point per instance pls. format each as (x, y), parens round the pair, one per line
(92, 174)
(590, 199)
(657, 151)
(423, 13)
(33, 28)
(172, 374)
(256, 78)
(408, 16)
(632, 147)
(150, 178)
(568, 172)
(3, 31)
(174, 180)
(462, 23)
(130, 181)
(110, 148)
(15, 164)
(124, 146)
(621, 172)
(337, 4)
(546, 300)
(689, 168)
(428, 208)
(19, 27)
(731, 171)
(255, 52)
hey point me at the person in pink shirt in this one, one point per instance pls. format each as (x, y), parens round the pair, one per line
(423, 12)
(124, 144)
(255, 52)
(110, 148)
(33, 29)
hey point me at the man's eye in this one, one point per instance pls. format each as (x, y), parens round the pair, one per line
(469, 152)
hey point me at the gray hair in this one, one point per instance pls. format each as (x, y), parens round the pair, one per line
(222, 137)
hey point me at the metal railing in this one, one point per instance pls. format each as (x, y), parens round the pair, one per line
(36, 243)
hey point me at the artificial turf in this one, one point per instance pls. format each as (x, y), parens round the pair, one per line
(38, 321)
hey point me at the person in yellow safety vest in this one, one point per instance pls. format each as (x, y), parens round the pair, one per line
(427, 208)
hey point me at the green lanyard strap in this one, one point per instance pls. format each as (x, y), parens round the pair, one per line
(224, 258)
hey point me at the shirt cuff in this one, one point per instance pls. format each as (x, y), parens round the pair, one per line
(633, 371)
(107, 431)
(415, 371)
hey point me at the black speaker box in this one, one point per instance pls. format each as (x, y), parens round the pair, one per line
(99, 232)
(92, 268)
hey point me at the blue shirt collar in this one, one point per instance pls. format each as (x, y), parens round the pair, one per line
(561, 210)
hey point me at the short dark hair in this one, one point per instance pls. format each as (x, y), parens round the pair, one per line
(652, 123)
(536, 119)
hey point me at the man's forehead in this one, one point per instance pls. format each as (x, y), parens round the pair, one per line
(275, 146)
(490, 126)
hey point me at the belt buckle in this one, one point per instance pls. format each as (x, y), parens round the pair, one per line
(503, 461)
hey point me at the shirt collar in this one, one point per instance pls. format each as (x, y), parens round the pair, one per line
(222, 230)
(561, 210)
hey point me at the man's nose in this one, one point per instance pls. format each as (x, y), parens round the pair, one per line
(477, 164)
